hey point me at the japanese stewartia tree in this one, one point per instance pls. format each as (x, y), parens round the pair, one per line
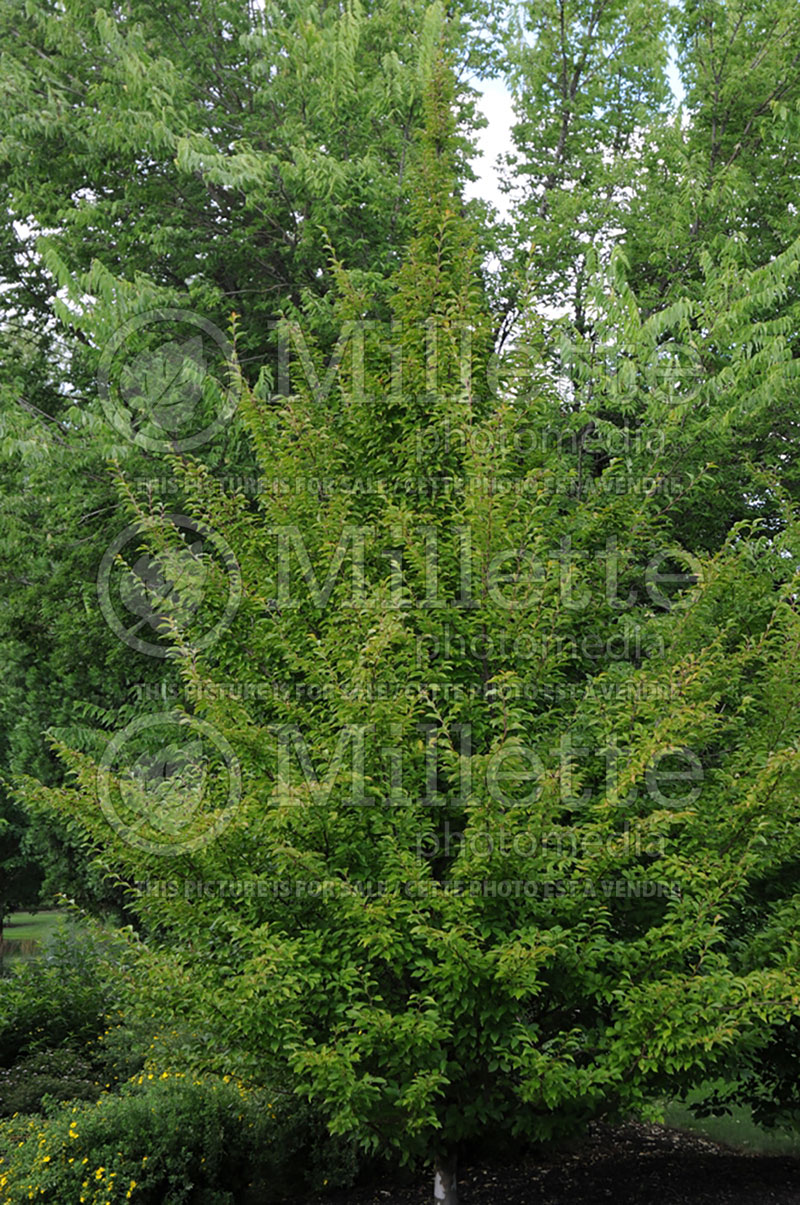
(458, 828)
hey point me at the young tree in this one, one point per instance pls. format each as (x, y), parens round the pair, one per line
(460, 811)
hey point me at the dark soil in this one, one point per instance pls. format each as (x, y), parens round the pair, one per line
(635, 1164)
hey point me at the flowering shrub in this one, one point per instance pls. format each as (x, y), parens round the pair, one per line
(167, 1138)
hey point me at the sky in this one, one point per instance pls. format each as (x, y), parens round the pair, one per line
(493, 141)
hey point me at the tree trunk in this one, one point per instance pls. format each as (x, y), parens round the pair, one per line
(445, 1188)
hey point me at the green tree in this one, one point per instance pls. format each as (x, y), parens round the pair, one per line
(172, 160)
(587, 79)
(650, 218)
(457, 819)
(212, 147)
(720, 178)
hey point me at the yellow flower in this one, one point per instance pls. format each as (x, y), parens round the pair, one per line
(98, 1175)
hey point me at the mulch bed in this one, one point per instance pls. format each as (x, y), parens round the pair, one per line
(635, 1164)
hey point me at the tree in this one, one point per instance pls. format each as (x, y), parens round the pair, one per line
(677, 211)
(212, 147)
(719, 177)
(21, 877)
(162, 167)
(587, 79)
(460, 811)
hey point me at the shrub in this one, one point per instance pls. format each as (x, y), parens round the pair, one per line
(169, 1139)
(60, 1035)
(62, 1074)
(61, 997)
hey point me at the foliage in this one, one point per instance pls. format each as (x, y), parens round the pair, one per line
(198, 157)
(531, 898)
(61, 1074)
(63, 1031)
(61, 997)
(690, 204)
(485, 820)
(586, 78)
(169, 1139)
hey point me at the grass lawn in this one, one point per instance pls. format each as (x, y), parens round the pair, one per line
(736, 1129)
(25, 932)
(33, 926)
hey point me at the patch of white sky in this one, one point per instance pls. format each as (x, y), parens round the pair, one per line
(494, 142)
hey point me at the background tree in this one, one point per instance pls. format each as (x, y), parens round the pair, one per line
(587, 80)
(681, 200)
(719, 181)
(194, 158)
